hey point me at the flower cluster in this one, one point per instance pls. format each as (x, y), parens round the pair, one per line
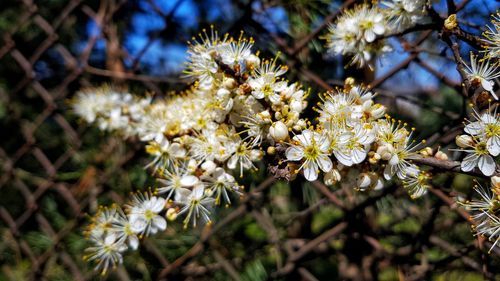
(481, 143)
(403, 14)
(113, 231)
(485, 211)
(110, 109)
(199, 139)
(492, 38)
(483, 71)
(359, 32)
(356, 139)
(240, 110)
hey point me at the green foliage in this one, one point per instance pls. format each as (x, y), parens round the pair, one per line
(254, 271)
(255, 232)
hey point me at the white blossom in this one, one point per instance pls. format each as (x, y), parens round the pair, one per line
(311, 147)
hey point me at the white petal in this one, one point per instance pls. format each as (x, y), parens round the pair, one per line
(275, 98)
(358, 155)
(343, 158)
(110, 239)
(394, 160)
(325, 164)
(160, 223)
(294, 153)
(469, 163)
(258, 94)
(388, 172)
(474, 128)
(133, 242)
(138, 225)
(177, 150)
(344, 138)
(379, 28)
(304, 138)
(311, 172)
(159, 204)
(487, 85)
(494, 145)
(487, 165)
(181, 195)
(189, 180)
(324, 143)
(231, 163)
(369, 36)
(198, 192)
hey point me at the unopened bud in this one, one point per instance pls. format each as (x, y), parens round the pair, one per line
(171, 214)
(252, 61)
(192, 165)
(441, 155)
(373, 157)
(229, 83)
(364, 181)
(278, 131)
(271, 150)
(451, 22)
(377, 182)
(299, 125)
(264, 115)
(495, 182)
(427, 151)
(378, 112)
(350, 81)
(332, 177)
(223, 93)
(208, 166)
(296, 106)
(385, 152)
(464, 141)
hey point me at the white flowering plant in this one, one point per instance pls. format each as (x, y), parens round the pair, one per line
(241, 113)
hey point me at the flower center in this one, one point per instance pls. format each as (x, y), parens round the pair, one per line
(481, 149)
(492, 130)
(311, 152)
(149, 215)
(267, 90)
(367, 24)
(241, 150)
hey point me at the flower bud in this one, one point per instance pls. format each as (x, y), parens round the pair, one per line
(271, 150)
(377, 182)
(378, 111)
(222, 93)
(299, 125)
(427, 151)
(264, 115)
(441, 155)
(171, 214)
(373, 157)
(278, 131)
(464, 141)
(495, 182)
(364, 181)
(229, 83)
(252, 61)
(385, 152)
(192, 165)
(332, 177)
(296, 106)
(208, 166)
(451, 22)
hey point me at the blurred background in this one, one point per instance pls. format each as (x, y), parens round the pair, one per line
(55, 170)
